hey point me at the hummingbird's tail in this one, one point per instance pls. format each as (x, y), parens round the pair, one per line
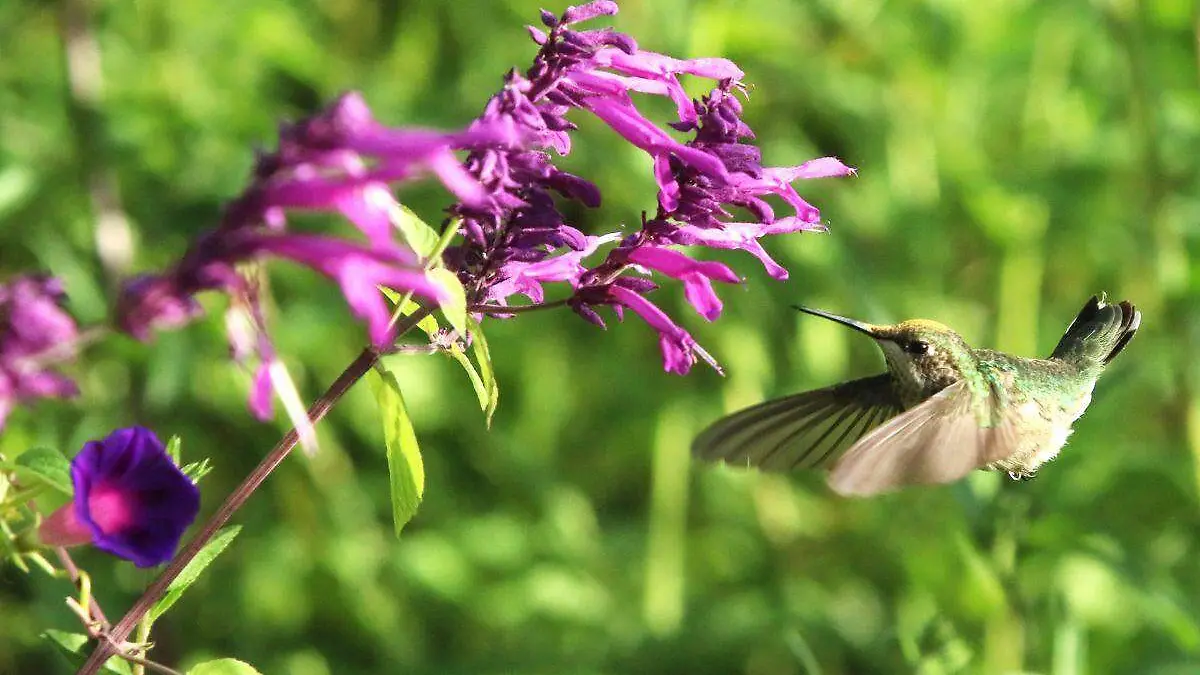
(1099, 333)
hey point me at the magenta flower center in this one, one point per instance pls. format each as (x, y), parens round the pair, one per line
(112, 510)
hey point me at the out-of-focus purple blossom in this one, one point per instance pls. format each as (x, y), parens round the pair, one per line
(35, 334)
(518, 231)
(130, 500)
(339, 161)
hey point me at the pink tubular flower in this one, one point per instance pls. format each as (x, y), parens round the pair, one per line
(678, 347)
(514, 237)
(696, 276)
(341, 161)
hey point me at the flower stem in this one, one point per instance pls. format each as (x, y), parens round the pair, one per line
(514, 309)
(105, 649)
(83, 584)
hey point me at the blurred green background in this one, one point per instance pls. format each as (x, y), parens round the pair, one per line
(1014, 157)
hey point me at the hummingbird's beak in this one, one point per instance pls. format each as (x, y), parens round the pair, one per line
(856, 325)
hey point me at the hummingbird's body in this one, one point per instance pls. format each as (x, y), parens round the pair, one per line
(942, 409)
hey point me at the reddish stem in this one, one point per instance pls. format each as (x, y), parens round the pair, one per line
(105, 649)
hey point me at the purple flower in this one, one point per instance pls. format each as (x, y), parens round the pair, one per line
(678, 348)
(130, 500)
(694, 209)
(696, 276)
(516, 235)
(519, 224)
(35, 332)
(340, 161)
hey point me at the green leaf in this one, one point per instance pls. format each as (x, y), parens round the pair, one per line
(481, 389)
(454, 305)
(223, 667)
(428, 325)
(191, 572)
(419, 236)
(173, 449)
(75, 647)
(434, 258)
(47, 467)
(197, 470)
(407, 306)
(483, 357)
(405, 467)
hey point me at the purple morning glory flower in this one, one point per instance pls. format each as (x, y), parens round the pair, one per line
(35, 332)
(130, 500)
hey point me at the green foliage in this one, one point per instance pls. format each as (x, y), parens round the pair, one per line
(222, 667)
(1014, 158)
(45, 467)
(192, 571)
(406, 469)
(75, 647)
(454, 304)
(486, 386)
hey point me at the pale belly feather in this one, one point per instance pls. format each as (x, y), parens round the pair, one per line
(1047, 430)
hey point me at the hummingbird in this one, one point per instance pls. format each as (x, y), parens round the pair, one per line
(942, 409)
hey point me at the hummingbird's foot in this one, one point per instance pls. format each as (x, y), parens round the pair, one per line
(1021, 475)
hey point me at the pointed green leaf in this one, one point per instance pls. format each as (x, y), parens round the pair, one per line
(197, 470)
(481, 390)
(405, 467)
(223, 667)
(75, 647)
(191, 572)
(47, 467)
(435, 256)
(454, 304)
(419, 236)
(173, 449)
(391, 295)
(428, 325)
(483, 357)
(407, 305)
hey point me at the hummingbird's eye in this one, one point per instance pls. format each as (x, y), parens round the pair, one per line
(917, 347)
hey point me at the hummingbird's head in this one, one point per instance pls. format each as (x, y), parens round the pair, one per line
(925, 355)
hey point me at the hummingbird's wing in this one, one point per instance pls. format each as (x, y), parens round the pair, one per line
(938, 441)
(800, 431)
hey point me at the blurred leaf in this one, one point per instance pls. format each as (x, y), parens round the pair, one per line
(428, 325)
(483, 357)
(222, 667)
(448, 234)
(419, 236)
(192, 571)
(481, 389)
(405, 467)
(455, 305)
(46, 467)
(423, 239)
(76, 647)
